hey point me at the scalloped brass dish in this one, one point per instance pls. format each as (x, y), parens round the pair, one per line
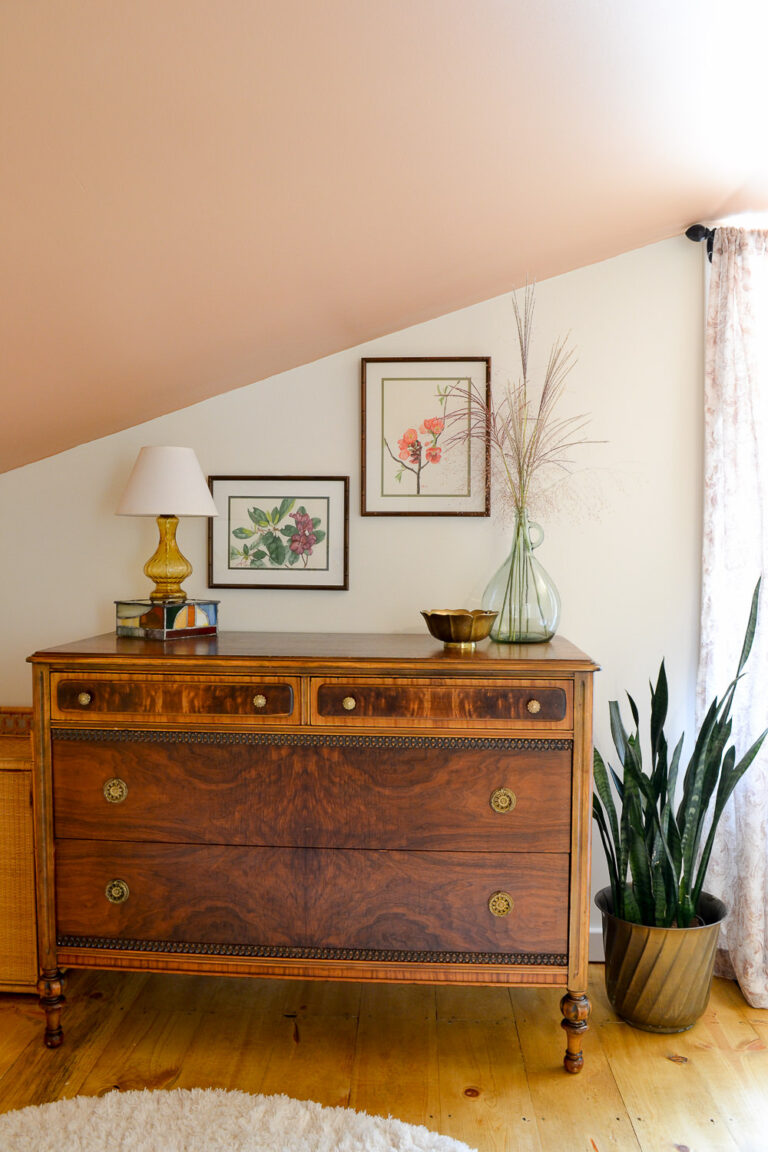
(459, 627)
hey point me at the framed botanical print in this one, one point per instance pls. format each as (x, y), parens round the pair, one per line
(279, 532)
(418, 457)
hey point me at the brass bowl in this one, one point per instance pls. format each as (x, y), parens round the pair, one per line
(459, 627)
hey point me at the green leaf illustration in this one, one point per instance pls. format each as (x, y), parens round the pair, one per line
(244, 533)
(275, 547)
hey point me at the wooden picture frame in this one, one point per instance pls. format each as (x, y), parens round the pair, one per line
(279, 532)
(414, 461)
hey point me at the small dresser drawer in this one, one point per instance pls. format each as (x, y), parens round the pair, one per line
(146, 698)
(213, 895)
(444, 703)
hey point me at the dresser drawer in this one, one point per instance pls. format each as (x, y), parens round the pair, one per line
(443, 703)
(232, 700)
(304, 898)
(349, 792)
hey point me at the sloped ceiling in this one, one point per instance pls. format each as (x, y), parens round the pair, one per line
(197, 194)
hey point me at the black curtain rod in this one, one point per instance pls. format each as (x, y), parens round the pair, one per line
(698, 232)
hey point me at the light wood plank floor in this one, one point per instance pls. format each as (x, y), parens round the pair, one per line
(479, 1064)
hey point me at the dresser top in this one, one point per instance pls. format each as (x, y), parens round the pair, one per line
(320, 649)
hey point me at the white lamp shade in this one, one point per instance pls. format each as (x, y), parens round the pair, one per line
(166, 482)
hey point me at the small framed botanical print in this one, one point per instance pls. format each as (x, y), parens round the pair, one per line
(418, 457)
(279, 532)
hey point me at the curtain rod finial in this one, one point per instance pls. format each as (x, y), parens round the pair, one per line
(698, 232)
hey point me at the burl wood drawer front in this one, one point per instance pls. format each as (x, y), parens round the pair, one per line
(348, 792)
(430, 901)
(443, 703)
(92, 699)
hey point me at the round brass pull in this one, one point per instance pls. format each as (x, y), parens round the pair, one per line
(534, 706)
(259, 701)
(117, 892)
(84, 699)
(500, 903)
(349, 703)
(115, 790)
(503, 800)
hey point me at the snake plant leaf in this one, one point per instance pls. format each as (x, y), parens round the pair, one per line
(749, 636)
(702, 739)
(610, 855)
(732, 773)
(617, 730)
(659, 893)
(659, 705)
(689, 813)
(634, 711)
(631, 907)
(618, 783)
(674, 768)
(708, 770)
(642, 884)
(604, 793)
(672, 842)
(660, 768)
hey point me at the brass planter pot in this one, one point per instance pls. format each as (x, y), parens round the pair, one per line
(659, 979)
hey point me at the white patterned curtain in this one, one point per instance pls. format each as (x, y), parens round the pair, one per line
(735, 551)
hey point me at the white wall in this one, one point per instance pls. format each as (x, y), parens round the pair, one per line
(623, 545)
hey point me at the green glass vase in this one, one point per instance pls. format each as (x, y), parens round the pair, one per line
(522, 592)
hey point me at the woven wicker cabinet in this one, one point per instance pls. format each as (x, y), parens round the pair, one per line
(18, 935)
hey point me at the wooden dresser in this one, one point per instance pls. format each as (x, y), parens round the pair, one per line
(359, 807)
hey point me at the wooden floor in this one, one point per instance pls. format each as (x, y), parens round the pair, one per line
(480, 1064)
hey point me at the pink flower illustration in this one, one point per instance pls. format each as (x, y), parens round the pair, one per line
(410, 446)
(415, 453)
(304, 538)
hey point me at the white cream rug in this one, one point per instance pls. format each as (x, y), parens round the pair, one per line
(208, 1120)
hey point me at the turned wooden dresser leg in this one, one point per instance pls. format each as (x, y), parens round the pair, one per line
(575, 1008)
(50, 988)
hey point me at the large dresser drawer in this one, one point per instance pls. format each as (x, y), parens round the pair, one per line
(231, 700)
(417, 901)
(303, 791)
(443, 703)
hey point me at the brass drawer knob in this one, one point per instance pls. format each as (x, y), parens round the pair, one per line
(115, 790)
(349, 703)
(500, 903)
(117, 892)
(534, 706)
(503, 800)
(259, 701)
(84, 699)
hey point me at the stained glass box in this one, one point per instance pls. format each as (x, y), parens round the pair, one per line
(168, 619)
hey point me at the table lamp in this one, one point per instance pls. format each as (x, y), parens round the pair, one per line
(167, 483)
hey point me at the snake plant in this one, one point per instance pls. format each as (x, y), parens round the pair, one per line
(647, 834)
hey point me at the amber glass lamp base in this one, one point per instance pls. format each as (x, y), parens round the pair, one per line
(167, 568)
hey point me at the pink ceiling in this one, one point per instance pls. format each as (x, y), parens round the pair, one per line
(197, 194)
